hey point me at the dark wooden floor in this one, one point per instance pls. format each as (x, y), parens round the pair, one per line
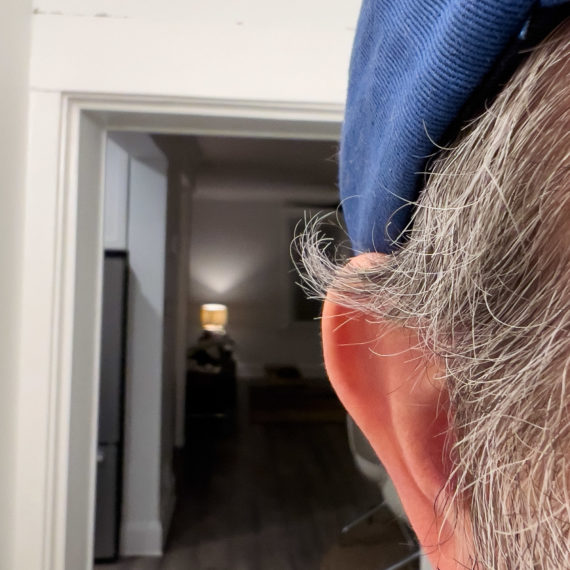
(267, 497)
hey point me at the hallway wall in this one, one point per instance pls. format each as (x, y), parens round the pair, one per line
(136, 220)
(240, 256)
(14, 67)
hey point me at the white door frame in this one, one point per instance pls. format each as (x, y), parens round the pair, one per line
(59, 334)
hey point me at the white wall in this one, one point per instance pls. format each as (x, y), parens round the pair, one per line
(15, 23)
(296, 50)
(137, 201)
(146, 234)
(239, 255)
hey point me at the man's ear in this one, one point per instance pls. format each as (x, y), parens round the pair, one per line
(391, 390)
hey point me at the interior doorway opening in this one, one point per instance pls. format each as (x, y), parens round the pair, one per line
(210, 219)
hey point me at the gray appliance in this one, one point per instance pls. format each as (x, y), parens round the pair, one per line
(111, 404)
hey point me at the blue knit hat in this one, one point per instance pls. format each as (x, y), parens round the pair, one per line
(418, 68)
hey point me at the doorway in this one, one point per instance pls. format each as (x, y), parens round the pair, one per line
(61, 320)
(280, 452)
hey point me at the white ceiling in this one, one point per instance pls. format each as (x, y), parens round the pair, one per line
(294, 171)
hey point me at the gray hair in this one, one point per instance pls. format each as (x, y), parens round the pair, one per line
(484, 279)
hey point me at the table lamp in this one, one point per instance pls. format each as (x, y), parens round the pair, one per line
(214, 317)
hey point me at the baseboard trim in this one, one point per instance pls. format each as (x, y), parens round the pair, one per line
(169, 504)
(142, 538)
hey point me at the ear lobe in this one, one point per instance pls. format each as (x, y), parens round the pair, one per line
(390, 389)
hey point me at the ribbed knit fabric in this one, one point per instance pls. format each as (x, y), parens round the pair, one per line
(415, 63)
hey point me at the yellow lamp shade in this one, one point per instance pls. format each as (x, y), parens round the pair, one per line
(214, 317)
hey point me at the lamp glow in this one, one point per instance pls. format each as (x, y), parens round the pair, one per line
(214, 317)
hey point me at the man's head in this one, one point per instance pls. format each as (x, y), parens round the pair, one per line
(453, 352)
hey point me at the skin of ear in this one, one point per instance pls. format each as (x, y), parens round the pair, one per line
(393, 392)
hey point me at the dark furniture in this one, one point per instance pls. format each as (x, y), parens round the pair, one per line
(211, 394)
(211, 384)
